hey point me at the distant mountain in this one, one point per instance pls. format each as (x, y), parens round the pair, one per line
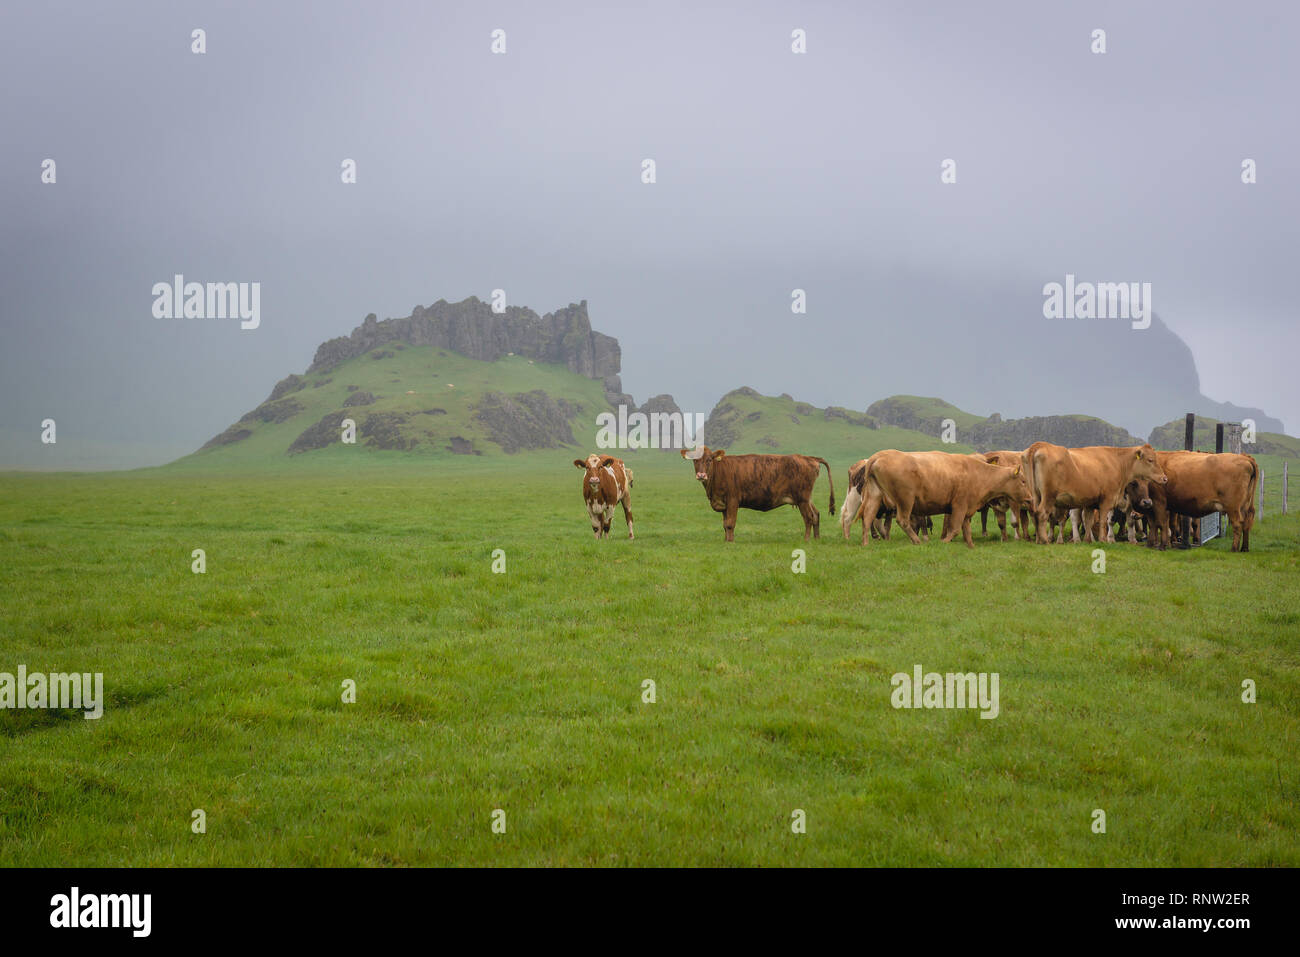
(461, 379)
(993, 432)
(746, 421)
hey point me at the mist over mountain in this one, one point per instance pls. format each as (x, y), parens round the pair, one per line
(980, 343)
(394, 378)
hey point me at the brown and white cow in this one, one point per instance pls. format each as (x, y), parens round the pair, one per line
(1091, 477)
(938, 483)
(760, 482)
(606, 482)
(1203, 482)
(851, 510)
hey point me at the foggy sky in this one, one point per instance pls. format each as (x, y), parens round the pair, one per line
(522, 171)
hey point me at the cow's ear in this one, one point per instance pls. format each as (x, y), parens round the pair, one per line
(580, 464)
(1139, 454)
(683, 451)
(607, 461)
(719, 454)
(1017, 471)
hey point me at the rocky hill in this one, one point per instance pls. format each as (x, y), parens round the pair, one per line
(1171, 435)
(994, 432)
(452, 379)
(472, 329)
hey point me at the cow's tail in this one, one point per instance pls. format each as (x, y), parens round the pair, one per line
(830, 481)
(1035, 493)
(1252, 496)
(628, 472)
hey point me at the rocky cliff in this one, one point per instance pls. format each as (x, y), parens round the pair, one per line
(470, 327)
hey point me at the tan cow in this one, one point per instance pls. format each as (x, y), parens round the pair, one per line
(1204, 482)
(1019, 517)
(1091, 477)
(606, 482)
(938, 483)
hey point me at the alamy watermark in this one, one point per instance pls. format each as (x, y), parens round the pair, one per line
(922, 689)
(649, 430)
(179, 299)
(1102, 300)
(36, 690)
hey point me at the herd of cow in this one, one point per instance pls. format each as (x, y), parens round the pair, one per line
(1090, 488)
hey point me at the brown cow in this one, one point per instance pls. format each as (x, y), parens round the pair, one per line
(760, 482)
(606, 483)
(938, 483)
(1091, 477)
(1204, 482)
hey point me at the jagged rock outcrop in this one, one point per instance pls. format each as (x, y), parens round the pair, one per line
(1069, 430)
(273, 411)
(722, 427)
(852, 418)
(471, 328)
(527, 420)
(290, 383)
(924, 415)
(359, 398)
(318, 436)
(663, 404)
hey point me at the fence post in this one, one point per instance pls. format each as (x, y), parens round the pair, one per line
(1284, 470)
(1218, 438)
(1234, 437)
(1259, 512)
(1189, 434)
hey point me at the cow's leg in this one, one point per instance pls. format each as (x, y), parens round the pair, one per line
(729, 521)
(965, 530)
(1089, 518)
(1076, 519)
(810, 519)
(607, 520)
(1001, 515)
(1043, 519)
(627, 514)
(593, 513)
(816, 520)
(904, 516)
(984, 521)
(951, 526)
(870, 508)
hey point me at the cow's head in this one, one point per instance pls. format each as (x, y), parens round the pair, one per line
(704, 459)
(592, 465)
(1016, 483)
(1138, 493)
(1024, 495)
(1145, 465)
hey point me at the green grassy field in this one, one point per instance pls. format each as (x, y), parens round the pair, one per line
(523, 691)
